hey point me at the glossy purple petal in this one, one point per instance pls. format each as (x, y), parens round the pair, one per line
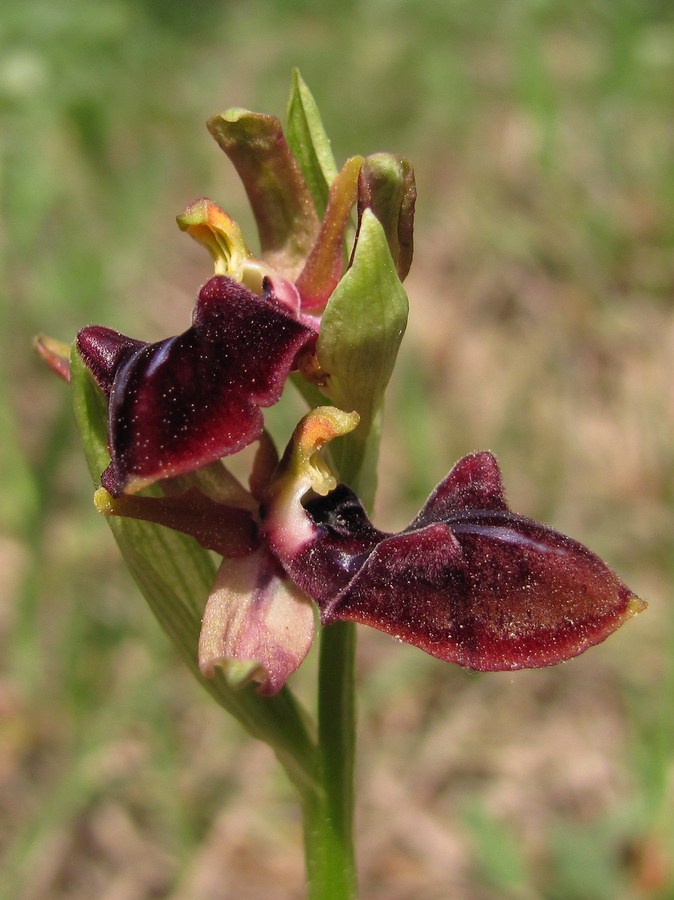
(492, 592)
(468, 581)
(104, 351)
(186, 401)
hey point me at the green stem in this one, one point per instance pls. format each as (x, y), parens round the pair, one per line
(328, 813)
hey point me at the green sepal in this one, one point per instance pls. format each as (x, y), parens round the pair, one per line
(281, 201)
(361, 330)
(309, 142)
(386, 185)
(175, 576)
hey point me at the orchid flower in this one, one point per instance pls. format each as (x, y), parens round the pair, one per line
(187, 401)
(468, 581)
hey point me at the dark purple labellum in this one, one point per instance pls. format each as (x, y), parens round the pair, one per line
(468, 581)
(188, 400)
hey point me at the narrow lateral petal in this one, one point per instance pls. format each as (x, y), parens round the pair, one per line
(325, 265)
(55, 354)
(227, 530)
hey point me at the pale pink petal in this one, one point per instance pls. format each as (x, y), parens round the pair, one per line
(257, 626)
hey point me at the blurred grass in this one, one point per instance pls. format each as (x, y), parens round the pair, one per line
(541, 327)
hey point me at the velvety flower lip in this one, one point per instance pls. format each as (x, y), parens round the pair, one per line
(468, 581)
(183, 402)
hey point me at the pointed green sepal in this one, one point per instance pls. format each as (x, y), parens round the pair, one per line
(309, 141)
(282, 203)
(361, 330)
(362, 326)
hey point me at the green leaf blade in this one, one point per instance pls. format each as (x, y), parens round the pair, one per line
(309, 142)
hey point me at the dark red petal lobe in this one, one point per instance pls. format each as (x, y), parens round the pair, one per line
(494, 591)
(104, 350)
(468, 581)
(474, 483)
(181, 403)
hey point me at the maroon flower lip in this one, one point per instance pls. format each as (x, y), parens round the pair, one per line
(468, 581)
(183, 402)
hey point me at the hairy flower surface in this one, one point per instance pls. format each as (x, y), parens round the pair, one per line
(186, 401)
(468, 581)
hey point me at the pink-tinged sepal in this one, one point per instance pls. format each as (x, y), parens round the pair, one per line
(184, 402)
(282, 204)
(257, 625)
(55, 354)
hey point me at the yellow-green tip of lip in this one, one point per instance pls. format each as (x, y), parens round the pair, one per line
(104, 502)
(635, 605)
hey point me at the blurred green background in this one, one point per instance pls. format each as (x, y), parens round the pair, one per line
(541, 327)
